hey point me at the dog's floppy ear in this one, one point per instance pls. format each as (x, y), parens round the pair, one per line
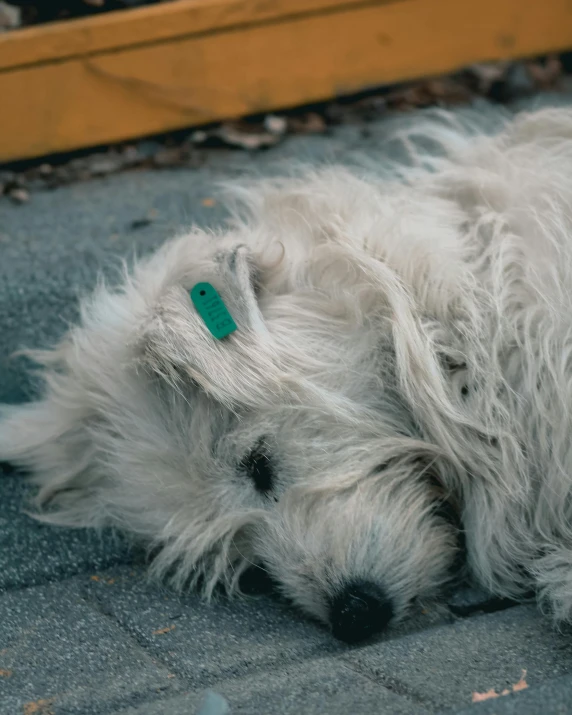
(240, 369)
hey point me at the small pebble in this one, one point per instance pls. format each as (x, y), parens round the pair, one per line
(199, 136)
(275, 125)
(214, 704)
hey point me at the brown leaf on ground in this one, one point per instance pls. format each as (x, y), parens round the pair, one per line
(18, 196)
(480, 697)
(433, 91)
(245, 136)
(162, 631)
(311, 123)
(520, 685)
(486, 73)
(545, 75)
(38, 707)
(5, 673)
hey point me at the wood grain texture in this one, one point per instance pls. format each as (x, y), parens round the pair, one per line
(155, 23)
(141, 72)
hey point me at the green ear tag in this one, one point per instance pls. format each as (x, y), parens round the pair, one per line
(212, 310)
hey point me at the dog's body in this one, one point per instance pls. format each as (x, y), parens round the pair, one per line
(403, 352)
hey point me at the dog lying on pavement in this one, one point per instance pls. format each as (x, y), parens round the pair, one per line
(395, 386)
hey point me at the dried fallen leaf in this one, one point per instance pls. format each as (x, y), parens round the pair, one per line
(520, 685)
(442, 90)
(311, 123)
(94, 578)
(38, 707)
(480, 697)
(241, 135)
(208, 202)
(162, 631)
(5, 673)
(169, 156)
(545, 75)
(19, 196)
(486, 73)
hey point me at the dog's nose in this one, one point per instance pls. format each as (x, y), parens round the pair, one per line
(359, 611)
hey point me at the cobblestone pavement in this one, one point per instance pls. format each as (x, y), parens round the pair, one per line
(82, 631)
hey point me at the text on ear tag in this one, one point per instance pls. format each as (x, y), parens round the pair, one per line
(212, 310)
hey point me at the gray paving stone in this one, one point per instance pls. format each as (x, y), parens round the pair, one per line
(206, 642)
(443, 666)
(552, 698)
(32, 553)
(317, 687)
(56, 648)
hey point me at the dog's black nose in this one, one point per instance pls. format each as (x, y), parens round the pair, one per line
(359, 611)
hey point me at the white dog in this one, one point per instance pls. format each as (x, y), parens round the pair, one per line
(400, 377)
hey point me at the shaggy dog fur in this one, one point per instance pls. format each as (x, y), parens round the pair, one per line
(403, 353)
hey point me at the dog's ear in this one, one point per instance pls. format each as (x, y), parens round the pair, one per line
(242, 368)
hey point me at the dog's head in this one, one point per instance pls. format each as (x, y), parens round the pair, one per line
(301, 443)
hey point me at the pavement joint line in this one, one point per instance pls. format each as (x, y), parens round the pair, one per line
(69, 577)
(391, 685)
(320, 651)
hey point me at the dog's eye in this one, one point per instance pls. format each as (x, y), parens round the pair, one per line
(257, 465)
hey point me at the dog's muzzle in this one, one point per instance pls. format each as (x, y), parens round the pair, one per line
(359, 611)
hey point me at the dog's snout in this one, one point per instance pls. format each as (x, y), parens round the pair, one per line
(359, 611)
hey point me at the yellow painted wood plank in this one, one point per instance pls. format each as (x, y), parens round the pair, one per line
(190, 80)
(61, 40)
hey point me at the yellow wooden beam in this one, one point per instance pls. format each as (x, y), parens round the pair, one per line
(127, 74)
